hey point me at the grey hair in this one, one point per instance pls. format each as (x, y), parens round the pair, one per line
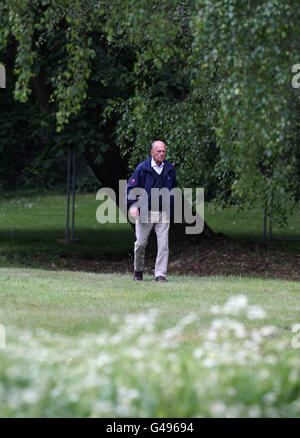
(156, 141)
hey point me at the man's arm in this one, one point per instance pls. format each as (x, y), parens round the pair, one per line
(133, 182)
(174, 182)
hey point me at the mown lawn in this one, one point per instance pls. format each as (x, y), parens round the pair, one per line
(81, 344)
(248, 225)
(27, 213)
(32, 225)
(84, 301)
(45, 214)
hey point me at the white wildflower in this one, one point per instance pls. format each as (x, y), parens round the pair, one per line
(114, 319)
(216, 309)
(188, 319)
(172, 332)
(270, 398)
(145, 340)
(209, 362)
(294, 377)
(255, 312)
(116, 338)
(235, 305)
(198, 353)
(104, 359)
(234, 411)
(212, 334)
(271, 359)
(264, 374)
(256, 336)
(231, 391)
(254, 412)
(136, 353)
(224, 325)
(74, 397)
(218, 409)
(238, 329)
(268, 330)
(30, 395)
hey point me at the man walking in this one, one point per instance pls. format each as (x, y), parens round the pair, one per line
(153, 173)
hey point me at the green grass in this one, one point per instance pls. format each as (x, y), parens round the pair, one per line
(46, 215)
(80, 344)
(83, 301)
(31, 225)
(26, 213)
(248, 225)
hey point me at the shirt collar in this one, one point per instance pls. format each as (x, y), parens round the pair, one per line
(153, 164)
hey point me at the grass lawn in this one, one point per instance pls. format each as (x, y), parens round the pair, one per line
(248, 225)
(81, 344)
(30, 225)
(46, 215)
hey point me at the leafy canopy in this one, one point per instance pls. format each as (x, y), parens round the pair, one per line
(212, 78)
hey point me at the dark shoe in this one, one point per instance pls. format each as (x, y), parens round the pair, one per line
(137, 276)
(161, 278)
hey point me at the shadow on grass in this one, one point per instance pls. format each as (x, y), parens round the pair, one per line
(114, 254)
(51, 250)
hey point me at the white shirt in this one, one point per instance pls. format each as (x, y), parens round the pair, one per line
(157, 168)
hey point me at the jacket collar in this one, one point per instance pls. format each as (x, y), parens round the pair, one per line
(146, 165)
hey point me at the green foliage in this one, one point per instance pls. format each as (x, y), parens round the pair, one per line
(147, 28)
(166, 104)
(211, 78)
(30, 24)
(21, 23)
(253, 46)
(185, 125)
(245, 115)
(33, 150)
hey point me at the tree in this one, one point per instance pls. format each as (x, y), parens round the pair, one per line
(237, 109)
(72, 36)
(204, 68)
(45, 57)
(254, 46)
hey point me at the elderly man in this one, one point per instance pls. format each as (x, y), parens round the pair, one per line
(153, 173)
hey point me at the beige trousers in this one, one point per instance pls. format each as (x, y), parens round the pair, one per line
(161, 224)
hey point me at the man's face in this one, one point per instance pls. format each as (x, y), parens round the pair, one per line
(158, 153)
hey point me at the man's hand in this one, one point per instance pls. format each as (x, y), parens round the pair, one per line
(134, 211)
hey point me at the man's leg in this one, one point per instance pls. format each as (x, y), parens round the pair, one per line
(142, 231)
(162, 233)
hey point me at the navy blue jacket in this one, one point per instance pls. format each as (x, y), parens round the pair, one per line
(143, 176)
